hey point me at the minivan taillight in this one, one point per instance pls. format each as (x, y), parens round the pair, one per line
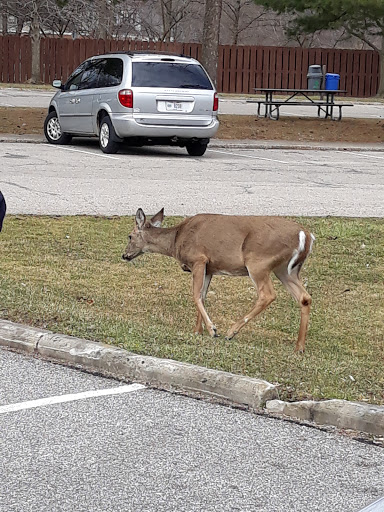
(126, 98)
(215, 102)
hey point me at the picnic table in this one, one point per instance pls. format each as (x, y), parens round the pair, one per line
(299, 97)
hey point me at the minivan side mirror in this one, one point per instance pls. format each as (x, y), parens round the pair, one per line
(57, 84)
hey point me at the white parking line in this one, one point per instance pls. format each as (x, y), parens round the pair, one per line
(86, 152)
(69, 398)
(365, 155)
(248, 156)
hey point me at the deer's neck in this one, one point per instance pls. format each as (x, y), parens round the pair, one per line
(163, 241)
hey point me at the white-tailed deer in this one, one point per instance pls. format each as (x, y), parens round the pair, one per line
(230, 245)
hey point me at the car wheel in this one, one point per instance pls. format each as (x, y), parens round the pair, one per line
(107, 136)
(52, 130)
(196, 149)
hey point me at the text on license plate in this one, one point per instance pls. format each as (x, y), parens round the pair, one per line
(173, 105)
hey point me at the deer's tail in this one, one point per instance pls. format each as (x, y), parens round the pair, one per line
(302, 251)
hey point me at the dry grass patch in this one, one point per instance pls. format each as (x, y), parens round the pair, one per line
(66, 274)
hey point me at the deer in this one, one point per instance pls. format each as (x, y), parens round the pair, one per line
(231, 245)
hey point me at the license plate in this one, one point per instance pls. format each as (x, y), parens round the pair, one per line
(174, 105)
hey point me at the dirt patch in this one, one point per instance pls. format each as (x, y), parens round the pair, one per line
(301, 129)
(21, 121)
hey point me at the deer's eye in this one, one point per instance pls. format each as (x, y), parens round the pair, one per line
(129, 238)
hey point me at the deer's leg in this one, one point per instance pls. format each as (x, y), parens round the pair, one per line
(199, 280)
(266, 295)
(293, 284)
(199, 321)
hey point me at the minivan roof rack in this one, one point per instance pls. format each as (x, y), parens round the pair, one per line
(150, 52)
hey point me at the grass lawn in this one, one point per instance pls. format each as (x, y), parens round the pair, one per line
(66, 274)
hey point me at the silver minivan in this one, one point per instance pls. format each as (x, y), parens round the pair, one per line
(139, 98)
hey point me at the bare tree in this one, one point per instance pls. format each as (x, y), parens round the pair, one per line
(28, 12)
(4, 17)
(241, 15)
(175, 14)
(211, 35)
(35, 41)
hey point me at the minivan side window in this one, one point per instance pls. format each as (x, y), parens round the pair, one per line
(90, 77)
(84, 77)
(74, 79)
(111, 72)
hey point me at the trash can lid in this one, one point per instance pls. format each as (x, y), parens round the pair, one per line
(332, 75)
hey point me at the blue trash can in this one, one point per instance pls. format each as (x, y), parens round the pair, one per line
(332, 81)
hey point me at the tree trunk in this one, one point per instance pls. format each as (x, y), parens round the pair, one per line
(19, 25)
(211, 34)
(103, 19)
(236, 22)
(166, 10)
(4, 24)
(35, 43)
(4, 17)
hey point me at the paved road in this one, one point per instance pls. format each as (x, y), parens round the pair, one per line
(146, 451)
(12, 97)
(46, 179)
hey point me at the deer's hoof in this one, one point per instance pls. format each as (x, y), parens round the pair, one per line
(214, 332)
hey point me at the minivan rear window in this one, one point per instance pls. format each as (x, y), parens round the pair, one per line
(169, 74)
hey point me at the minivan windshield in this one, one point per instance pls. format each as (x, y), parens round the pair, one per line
(169, 74)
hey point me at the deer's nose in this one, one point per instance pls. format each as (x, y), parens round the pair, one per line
(125, 257)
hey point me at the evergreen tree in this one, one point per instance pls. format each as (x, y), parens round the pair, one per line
(363, 19)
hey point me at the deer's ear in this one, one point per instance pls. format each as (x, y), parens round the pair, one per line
(157, 219)
(140, 218)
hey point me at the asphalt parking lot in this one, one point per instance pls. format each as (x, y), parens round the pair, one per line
(146, 450)
(80, 179)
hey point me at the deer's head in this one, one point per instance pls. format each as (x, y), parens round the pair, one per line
(141, 238)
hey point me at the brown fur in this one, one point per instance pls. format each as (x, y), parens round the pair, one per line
(209, 244)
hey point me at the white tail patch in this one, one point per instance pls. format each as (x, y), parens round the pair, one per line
(297, 251)
(312, 240)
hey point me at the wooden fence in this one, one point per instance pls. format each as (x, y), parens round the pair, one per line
(240, 68)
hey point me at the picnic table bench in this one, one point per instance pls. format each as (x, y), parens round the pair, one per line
(325, 105)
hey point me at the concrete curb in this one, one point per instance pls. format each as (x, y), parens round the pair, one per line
(118, 363)
(236, 144)
(297, 145)
(223, 387)
(339, 413)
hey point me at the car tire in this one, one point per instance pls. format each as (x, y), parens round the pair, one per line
(52, 130)
(107, 136)
(196, 149)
